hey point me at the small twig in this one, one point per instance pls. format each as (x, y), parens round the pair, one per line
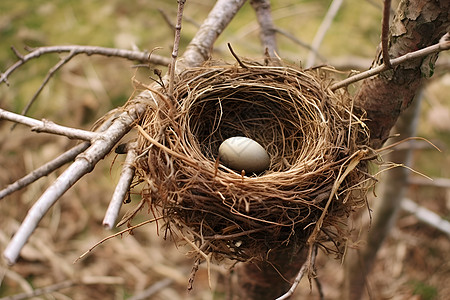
(153, 289)
(131, 213)
(236, 57)
(50, 73)
(87, 280)
(319, 288)
(194, 270)
(323, 28)
(17, 53)
(308, 265)
(267, 34)
(299, 42)
(206, 257)
(44, 170)
(444, 44)
(122, 188)
(88, 50)
(42, 291)
(114, 235)
(385, 33)
(48, 126)
(176, 46)
(167, 19)
(426, 216)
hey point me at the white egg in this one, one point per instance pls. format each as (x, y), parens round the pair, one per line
(241, 153)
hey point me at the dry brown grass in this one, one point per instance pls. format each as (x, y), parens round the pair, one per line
(415, 255)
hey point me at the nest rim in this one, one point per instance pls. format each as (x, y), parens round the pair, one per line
(243, 217)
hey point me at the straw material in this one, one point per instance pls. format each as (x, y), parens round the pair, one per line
(317, 174)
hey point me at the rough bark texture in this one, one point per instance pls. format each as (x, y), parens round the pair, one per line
(417, 24)
(359, 262)
(263, 281)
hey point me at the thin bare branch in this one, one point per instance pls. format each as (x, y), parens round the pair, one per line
(385, 33)
(176, 46)
(267, 32)
(122, 187)
(50, 73)
(44, 170)
(129, 229)
(309, 263)
(323, 28)
(142, 56)
(167, 19)
(444, 44)
(113, 280)
(299, 42)
(199, 49)
(42, 291)
(48, 126)
(436, 182)
(153, 289)
(53, 165)
(426, 216)
(83, 164)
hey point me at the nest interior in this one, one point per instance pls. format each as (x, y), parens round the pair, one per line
(309, 133)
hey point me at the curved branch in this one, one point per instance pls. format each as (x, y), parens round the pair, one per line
(142, 56)
(102, 144)
(49, 75)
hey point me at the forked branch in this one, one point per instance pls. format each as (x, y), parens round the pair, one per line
(444, 44)
(83, 164)
(142, 56)
(102, 143)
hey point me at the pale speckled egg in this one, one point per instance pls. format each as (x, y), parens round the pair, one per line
(241, 153)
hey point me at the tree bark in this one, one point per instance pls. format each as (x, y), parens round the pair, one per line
(417, 24)
(359, 262)
(270, 279)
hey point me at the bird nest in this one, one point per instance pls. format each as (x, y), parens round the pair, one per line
(317, 172)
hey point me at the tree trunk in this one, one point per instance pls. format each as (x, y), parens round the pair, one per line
(269, 280)
(359, 262)
(417, 24)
